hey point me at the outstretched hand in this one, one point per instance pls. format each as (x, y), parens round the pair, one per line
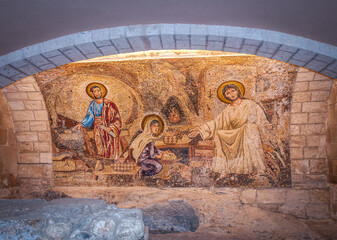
(193, 133)
(77, 127)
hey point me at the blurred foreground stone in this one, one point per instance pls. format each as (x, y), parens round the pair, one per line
(68, 219)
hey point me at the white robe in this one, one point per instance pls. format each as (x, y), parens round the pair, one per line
(238, 145)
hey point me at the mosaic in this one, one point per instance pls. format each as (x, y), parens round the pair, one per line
(184, 121)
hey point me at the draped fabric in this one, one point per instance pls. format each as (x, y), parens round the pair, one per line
(238, 145)
(105, 114)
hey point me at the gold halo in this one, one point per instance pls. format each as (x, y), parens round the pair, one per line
(154, 117)
(221, 87)
(102, 87)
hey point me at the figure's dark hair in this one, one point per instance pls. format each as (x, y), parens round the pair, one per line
(95, 86)
(154, 122)
(228, 87)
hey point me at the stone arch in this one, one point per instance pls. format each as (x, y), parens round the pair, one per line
(292, 49)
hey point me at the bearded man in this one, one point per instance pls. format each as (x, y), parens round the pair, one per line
(103, 114)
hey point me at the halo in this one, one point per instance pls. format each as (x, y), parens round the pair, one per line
(221, 87)
(102, 87)
(154, 117)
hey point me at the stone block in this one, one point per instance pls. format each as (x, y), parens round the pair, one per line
(47, 67)
(282, 55)
(305, 76)
(296, 62)
(318, 211)
(313, 129)
(108, 50)
(315, 152)
(59, 60)
(296, 153)
(73, 53)
(233, 42)
(324, 58)
(198, 47)
(316, 140)
(320, 77)
(183, 44)
(121, 43)
(19, 63)
(23, 115)
(46, 157)
(248, 49)
(333, 66)
(19, 77)
(319, 196)
(248, 196)
(301, 97)
(87, 48)
(301, 86)
(296, 107)
(309, 181)
(235, 50)
(29, 158)
(316, 66)
(168, 41)
(38, 126)
(303, 55)
(214, 38)
(103, 43)
(29, 69)
(299, 118)
(269, 47)
(300, 166)
(320, 85)
(16, 105)
(270, 196)
(44, 136)
(8, 71)
(16, 96)
(93, 55)
(22, 126)
(34, 96)
(288, 48)
(182, 37)
(52, 54)
(4, 81)
(38, 60)
(295, 130)
(25, 87)
(294, 209)
(215, 46)
(298, 141)
(42, 146)
(33, 105)
(318, 166)
(30, 170)
(26, 146)
(140, 43)
(317, 117)
(27, 136)
(301, 196)
(41, 115)
(329, 73)
(198, 40)
(320, 96)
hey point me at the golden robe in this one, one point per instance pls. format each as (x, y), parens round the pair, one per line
(238, 145)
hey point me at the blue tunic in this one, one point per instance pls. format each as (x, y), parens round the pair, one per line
(94, 109)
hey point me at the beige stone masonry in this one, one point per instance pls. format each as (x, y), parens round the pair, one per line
(31, 125)
(308, 121)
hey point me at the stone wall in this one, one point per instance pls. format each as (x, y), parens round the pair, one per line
(8, 156)
(308, 130)
(332, 148)
(31, 126)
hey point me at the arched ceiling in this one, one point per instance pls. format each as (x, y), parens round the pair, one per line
(25, 23)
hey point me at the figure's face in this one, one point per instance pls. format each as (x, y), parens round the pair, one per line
(155, 128)
(232, 94)
(97, 93)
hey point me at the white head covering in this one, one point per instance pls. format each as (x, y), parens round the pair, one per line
(142, 140)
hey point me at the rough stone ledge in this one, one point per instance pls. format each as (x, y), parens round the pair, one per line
(68, 219)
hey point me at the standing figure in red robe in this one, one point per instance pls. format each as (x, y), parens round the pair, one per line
(103, 114)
